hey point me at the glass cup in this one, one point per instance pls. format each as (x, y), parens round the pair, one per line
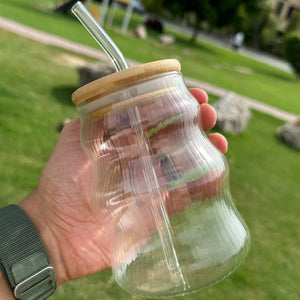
(161, 182)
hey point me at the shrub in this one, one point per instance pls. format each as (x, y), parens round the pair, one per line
(268, 39)
(294, 21)
(292, 50)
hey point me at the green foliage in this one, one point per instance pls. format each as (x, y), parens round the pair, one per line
(253, 23)
(294, 21)
(268, 36)
(216, 13)
(153, 5)
(292, 50)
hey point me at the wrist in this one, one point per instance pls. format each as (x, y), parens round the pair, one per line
(38, 217)
(6, 293)
(24, 261)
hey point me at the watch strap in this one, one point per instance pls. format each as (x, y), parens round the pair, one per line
(23, 257)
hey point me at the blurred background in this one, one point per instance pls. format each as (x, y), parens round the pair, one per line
(246, 53)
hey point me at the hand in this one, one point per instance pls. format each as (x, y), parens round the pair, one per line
(208, 119)
(78, 239)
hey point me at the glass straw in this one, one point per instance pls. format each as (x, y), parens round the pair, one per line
(100, 36)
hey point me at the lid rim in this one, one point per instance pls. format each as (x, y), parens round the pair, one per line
(121, 78)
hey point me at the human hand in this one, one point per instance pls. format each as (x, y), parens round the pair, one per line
(76, 237)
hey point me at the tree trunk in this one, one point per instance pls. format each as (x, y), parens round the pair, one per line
(195, 32)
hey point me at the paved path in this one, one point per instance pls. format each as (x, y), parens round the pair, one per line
(53, 40)
(245, 51)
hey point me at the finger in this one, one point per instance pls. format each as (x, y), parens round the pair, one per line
(199, 94)
(208, 116)
(71, 127)
(219, 141)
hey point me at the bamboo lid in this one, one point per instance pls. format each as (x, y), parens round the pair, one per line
(114, 82)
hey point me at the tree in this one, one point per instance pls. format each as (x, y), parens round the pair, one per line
(294, 21)
(199, 9)
(216, 13)
(291, 48)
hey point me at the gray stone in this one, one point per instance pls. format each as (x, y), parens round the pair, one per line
(166, 39)
(233, 114)
(94, 71)
(141, 32)
(290, 134)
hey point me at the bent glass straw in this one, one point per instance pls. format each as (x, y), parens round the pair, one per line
(101, 37)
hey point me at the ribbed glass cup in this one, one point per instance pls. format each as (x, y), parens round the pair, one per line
(176, 229)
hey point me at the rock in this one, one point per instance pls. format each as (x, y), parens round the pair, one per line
(141, 32)
(233, 114)
(94, 71)
(166, 39)
(290, 134)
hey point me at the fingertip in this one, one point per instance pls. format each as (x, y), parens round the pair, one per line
(219, 141)
(208, 116)
(200, 95)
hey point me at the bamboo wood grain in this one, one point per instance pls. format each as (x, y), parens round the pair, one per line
(116, 81)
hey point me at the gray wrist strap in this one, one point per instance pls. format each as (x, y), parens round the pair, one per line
(23, 258)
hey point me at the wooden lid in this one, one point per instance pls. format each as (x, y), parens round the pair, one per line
(115, 81)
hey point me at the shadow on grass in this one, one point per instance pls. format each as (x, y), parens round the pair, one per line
(63, 94)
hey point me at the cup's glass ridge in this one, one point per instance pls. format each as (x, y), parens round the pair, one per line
(162, 183)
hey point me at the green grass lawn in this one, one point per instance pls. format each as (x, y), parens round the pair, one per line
(36, 82)
(201, 60)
